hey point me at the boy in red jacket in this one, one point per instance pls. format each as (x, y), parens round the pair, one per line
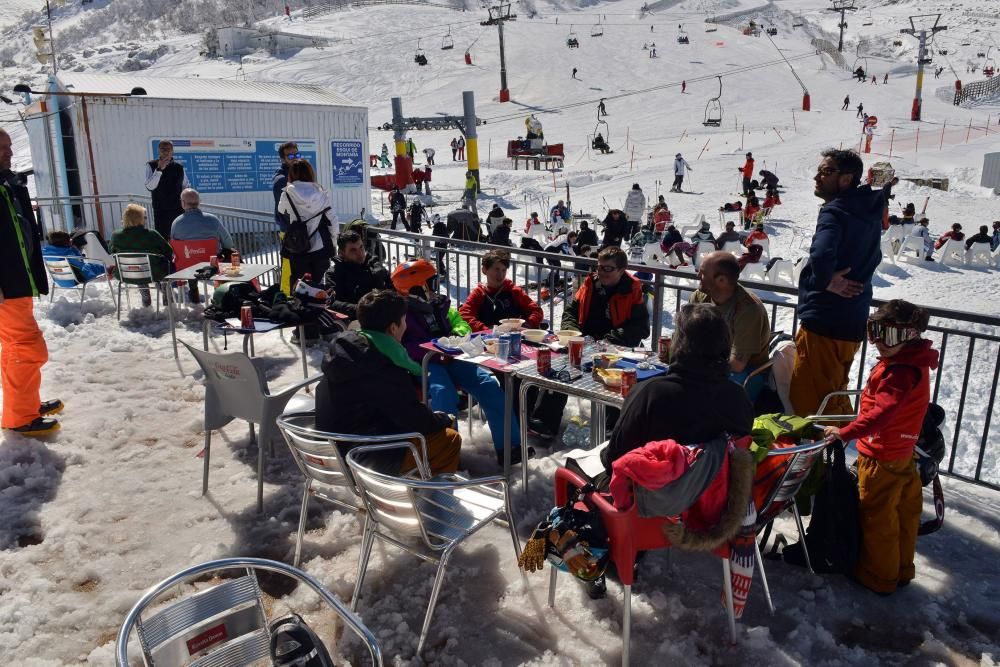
(888, 424)
(498, 298)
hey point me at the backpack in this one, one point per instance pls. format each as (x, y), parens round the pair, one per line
(297, 239)
(930, 451)
(834, 535)
(294, 644)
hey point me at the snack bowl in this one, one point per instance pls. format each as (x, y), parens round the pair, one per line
(565, 334)
(512, 323)
(534, 335)
(232, 271)
(610, 377)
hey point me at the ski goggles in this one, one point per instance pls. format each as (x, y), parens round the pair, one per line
(890, 334)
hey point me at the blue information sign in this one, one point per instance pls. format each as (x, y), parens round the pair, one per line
(348, 167)
(220, 165)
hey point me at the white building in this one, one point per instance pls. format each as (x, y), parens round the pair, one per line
(225, 133)
(232, 41)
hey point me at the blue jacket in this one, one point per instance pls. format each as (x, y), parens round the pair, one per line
(278, 183)
(85, 271)
(848, 234)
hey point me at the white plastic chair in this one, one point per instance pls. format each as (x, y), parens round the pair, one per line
(895, 233)
(225, 624)
(782, 272)
(59, 268)
(979, 254)
(953, 253)
(135, 273)
(236, 388)
(800, 264)
(766, 245)
(687, 231)
(703, 248)
(913, 244)
(888, 247)
(753, 271)
(996, 257)
(323, 464)
(734, 247)
(907, 229)
(440, 512)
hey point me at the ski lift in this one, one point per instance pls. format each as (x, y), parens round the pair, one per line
(447, 42)
(682, 36)
(571, 39)
(860, 67)
(772, 31)
(897, 42)
(942, 52)
(868, 19)
(713, 110)
(601, 139)
(989, 67)
(711, 27)
(798, 21)
(419, 56)
(598, 29)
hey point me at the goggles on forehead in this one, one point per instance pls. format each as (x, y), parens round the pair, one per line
(890, 333)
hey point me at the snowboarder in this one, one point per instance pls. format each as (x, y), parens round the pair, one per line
(470, 193)
(861, 110)
(684, 85)
(429, 155)
(461, 149)
(680, 168)
(847, 103)
(885, 79)
(454, 148)
(384, 158)
(574, 73)
(411, 148)
(601, 109)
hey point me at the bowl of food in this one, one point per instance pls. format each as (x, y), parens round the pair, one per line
(534, 335)
(565, 334)
(232, 270)
(610, 377)
(512, 323)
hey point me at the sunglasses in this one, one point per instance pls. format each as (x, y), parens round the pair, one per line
(890, 333)
(564, 374)
(826, 172)
(606, 268)
(295, 156)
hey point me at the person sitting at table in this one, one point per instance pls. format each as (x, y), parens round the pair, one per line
(499, 298)
(703, 403)
(743, 312)
(196, 225)
(429, 315)
(608, 306)
(60, 245)
(134, 236)
(370, 387)
(354, 274)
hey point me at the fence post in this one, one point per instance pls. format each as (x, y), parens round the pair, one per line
(892, 137)
(657, 322)
(941, 145)
(916, 148)
(631, 159)
(968, 132)
(794, 124)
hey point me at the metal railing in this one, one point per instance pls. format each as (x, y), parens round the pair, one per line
(965, 382)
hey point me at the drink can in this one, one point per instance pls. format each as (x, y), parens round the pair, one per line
(214, 261)
(628, 380)
(663, 349)
(234, 259)
(515, 344)
(543, 362)
(246, 316)
(503, 347)
(575, 351)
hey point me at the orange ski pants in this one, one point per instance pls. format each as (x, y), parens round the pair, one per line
(22, 354)
(822, 365)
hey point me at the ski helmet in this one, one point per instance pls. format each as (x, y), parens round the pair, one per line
(414, 273)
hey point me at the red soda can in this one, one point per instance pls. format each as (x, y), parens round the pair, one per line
(543, 362)
(628, 380)
(246, 316)
(663, 349)
(214, 261)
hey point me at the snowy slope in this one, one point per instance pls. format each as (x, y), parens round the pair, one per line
(84, 520)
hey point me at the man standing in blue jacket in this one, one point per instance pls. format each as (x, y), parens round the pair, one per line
(835, 289)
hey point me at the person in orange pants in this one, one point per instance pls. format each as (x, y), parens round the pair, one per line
(890, 417)
(22, 277)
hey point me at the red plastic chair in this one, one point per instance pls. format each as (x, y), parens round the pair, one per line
(628, 534)
(189, 253)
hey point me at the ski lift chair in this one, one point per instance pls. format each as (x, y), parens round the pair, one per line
(572, 41)
(682, 37)
(897, 42)
(447, 43)
(419, 56)
(597, 30)
(772, 31)
(226, 622)
(713, 109)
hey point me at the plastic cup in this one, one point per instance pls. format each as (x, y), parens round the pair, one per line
(575, 351)
(503, 348)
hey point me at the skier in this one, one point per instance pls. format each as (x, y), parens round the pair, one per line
(652, 51)
(847, 103)
(411, 148)
(397, 204)
(861, 110)
(874, 80)
(885, 79)
(684, 85)
(461, 149)
(470, 193)
(288, 13)
(601, 144)
(680, 168)
(747, 171)
(601, 110)
(429, 155)
(384, 158)
(454, 148)
(574, 73)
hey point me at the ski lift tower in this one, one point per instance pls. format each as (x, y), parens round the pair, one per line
(923, 57)
(498, 15)
(842, 6)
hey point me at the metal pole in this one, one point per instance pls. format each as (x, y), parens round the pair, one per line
(52, 38)
(504, 93)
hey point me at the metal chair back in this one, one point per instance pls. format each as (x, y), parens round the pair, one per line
(60, 269)
(390, 501)
(801, 460)
(134, 268)
(226, 624)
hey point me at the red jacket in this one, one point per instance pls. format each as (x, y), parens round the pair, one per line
(484, 308)
(754, 237)
(771, 201)
(893, 403)
(747, 168)
(958, 236)
(620, 304)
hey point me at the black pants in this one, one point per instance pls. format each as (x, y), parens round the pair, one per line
(746, 185)
(678, 180)
(163, 219)
(399, 215)
(314, 263)
(454, 151)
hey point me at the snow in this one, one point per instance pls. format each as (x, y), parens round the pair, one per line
(112, 504)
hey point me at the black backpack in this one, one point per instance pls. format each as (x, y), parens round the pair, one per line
(294, 644)
(834, 535)
(297, 239)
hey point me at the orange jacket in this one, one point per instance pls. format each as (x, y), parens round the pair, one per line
(748, 168)
(620, 304)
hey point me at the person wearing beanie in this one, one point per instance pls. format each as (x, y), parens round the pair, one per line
(890, 417)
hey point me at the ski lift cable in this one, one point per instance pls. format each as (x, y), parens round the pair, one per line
(749, 68)
(794, 73)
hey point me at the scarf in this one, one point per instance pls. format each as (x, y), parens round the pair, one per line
(392, 350)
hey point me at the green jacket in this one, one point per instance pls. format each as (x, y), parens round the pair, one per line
(147, 241)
